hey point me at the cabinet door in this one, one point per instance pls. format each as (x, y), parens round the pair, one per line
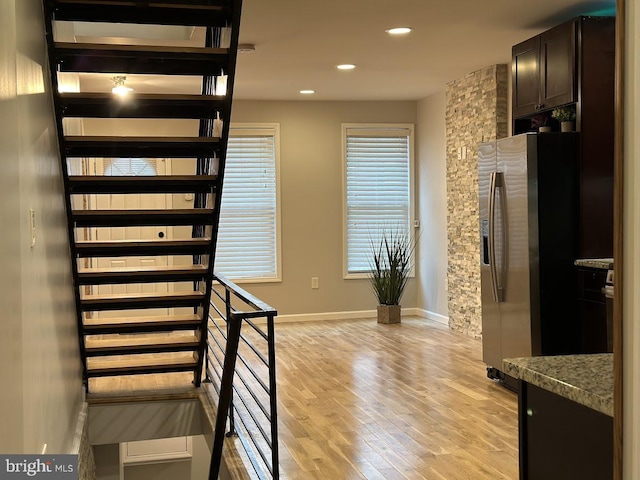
(593, 319)
(558, 66)
(562, 440)
(526, 77)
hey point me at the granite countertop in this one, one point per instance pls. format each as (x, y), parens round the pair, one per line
(601, 263)
(585, 379)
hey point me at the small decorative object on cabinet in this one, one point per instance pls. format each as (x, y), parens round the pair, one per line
(391, 266)
(566, 116)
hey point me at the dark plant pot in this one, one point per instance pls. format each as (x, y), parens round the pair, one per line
(389, 313)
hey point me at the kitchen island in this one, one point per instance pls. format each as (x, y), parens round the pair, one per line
(565, 415)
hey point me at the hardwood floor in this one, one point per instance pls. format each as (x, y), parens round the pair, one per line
(410, 401)
(359, 400)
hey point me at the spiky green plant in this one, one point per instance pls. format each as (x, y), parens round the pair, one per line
(391, 264)
(564, 114)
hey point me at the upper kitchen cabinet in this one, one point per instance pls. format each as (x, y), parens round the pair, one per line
(574, 64)
(544, 73)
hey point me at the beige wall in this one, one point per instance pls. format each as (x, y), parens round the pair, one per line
(631, 220)
(40, 367)
(432, 205)
(311, 186)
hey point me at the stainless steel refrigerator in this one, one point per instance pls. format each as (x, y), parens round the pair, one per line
(528, 193)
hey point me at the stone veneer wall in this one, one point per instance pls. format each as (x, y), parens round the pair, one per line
(476, 112)
(82, 447)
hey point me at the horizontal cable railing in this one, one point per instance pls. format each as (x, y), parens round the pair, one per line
(240, 364)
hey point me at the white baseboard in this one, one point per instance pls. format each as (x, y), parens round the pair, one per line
(433, 316)
(359, 314)
(315, 317)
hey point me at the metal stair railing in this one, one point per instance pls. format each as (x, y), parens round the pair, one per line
(246, 389)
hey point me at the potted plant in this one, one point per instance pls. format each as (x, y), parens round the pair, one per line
(566, 116)
(391, 266)
(539, 122)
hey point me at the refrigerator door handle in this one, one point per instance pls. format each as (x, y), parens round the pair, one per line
(494, 183)
(492, 236)
(503, 243)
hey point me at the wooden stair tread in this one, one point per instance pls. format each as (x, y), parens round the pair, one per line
(133, 366)
(123, 218)
(117, 321)
(142, 295)
(139, 59)
(138, 301)
(134, 340)
(145, 105)
(159, 269)
(160, 323)
(115, 248)
(126, 139)
(115, 49)
(141, 184)
(175, 12)
(140, 344)
(174, 273)
(144, 147)
(101, 395)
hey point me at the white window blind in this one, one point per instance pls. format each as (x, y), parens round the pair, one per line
(248, 238)
(130, 166)
(378, 179)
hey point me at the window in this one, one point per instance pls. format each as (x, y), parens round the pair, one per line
(248, 237)
(130, 166)
(378, 188)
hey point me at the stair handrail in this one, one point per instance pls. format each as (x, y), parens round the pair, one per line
(234, 319)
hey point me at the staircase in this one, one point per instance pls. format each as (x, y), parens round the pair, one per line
(136, 317)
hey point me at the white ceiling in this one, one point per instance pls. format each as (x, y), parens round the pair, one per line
(299, 43)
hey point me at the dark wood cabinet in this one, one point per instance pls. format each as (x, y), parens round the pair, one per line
(526, 77)
(592, 310)
(574, 64)
(544, 74)
(558, 66)
(561, 439)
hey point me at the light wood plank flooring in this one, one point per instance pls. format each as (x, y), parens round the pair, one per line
(411, 401)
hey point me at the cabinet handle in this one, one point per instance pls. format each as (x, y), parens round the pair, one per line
(529, 412)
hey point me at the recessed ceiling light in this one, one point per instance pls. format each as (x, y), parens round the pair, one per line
(346, 66)
(307, 92)
(399, 30)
